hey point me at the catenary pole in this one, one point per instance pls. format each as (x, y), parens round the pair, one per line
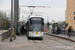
(16, 15)
(11, 20)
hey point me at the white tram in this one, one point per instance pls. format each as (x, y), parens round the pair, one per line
(35, 27)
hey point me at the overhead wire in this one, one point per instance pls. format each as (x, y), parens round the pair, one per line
(23, 10)
(41, 9)
(33, 2)
(48, 4)
(31, 11)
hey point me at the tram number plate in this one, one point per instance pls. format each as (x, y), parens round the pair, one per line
(37, 33)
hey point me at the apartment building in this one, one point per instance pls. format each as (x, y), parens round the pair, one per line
(70, 13)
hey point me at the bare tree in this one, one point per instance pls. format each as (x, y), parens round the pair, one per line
(3, 21)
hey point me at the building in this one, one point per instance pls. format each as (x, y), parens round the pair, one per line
(70, 13)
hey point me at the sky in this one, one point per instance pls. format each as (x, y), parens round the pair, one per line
(56, 11)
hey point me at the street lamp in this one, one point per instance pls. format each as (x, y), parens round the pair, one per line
(16, 16)
(11, 20)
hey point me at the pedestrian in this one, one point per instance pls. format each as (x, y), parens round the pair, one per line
(58, 30)
(19, 30)
(69, 31)
(24, 32)
(22, 29)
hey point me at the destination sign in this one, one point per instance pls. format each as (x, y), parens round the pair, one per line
(35, 19)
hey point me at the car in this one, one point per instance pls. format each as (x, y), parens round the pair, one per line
(45, 29)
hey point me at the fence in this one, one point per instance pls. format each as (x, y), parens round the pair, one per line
(66, 33)
(5, 35)
(73, 33)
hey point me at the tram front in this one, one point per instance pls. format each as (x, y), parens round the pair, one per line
(36, 27)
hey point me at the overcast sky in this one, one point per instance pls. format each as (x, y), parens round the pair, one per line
(55, 12)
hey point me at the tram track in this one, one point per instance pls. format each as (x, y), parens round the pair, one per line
(57, 40)
(60, 41)
(35, 41)
(49, 41)
(68, 45)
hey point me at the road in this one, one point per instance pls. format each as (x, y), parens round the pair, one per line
(47, 43)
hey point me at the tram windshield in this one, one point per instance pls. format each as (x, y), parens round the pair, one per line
(36, 25)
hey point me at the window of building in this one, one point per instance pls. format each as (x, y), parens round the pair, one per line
(74, 13)
(74, 18)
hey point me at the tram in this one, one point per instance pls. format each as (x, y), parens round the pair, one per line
(35, 27)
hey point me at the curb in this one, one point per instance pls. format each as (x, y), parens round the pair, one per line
(61, 37)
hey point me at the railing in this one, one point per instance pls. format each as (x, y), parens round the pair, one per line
(73, 33)
(64, 32)
(5, 35)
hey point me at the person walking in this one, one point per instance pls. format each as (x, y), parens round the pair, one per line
(69, 31)
(25, 30)
(22, 29)
(58, 30)
(19, 30)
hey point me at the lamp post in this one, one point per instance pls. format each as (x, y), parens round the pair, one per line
(16, 16)
(11, 20)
